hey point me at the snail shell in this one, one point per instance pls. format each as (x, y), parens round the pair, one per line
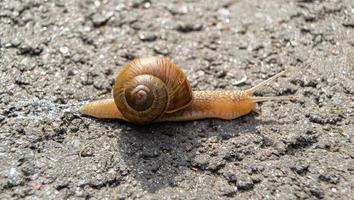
(148, 87)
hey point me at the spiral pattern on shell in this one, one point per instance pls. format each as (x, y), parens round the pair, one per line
(148, 87)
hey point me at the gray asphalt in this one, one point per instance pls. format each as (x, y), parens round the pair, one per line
(57, 55)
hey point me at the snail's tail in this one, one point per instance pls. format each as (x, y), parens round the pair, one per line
(104, 109)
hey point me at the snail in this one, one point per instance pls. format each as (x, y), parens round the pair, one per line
(154, 89)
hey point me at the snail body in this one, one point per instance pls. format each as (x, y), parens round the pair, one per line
(154, 89)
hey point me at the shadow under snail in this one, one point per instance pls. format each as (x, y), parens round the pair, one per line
(154, 89)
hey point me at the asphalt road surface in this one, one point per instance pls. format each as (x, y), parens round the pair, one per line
(56, 55)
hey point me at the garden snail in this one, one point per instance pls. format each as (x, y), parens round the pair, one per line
(154, 89)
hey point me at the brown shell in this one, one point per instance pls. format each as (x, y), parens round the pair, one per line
(158, 74)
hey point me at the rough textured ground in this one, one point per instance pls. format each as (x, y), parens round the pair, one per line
(56, 55)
